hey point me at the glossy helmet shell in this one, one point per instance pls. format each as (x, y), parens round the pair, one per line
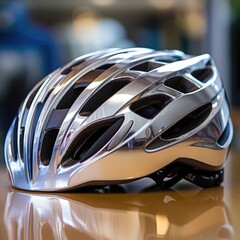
(118, 115)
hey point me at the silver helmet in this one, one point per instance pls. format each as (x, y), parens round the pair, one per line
(118, 115)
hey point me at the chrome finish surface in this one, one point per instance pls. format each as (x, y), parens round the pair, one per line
(126, 155)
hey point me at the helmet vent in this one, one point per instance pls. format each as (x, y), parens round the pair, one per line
(47, 145)
(209, 63)
(103, 94)
(32, 129)
(180, 84)
(91, 140)
(169, 59)
(188, 123)
(14, 139)
(147, 66)
(21, 142)
(71, 95)
(203, 74)
(185, 125)
(56, 118)
(148, 107)
(224, 136)
(66, 71)
(105, 66)
(30, 100)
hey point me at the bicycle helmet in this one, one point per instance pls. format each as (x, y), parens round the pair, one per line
(118, 115)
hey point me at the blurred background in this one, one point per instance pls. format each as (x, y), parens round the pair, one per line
(37, 37)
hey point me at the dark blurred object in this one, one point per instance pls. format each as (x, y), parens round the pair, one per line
(27, 53)
(236, 6)
(235, 51)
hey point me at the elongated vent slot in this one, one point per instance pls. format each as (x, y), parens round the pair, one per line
(56, 118)
(47, 145)
(91, 140)
(188, 123)
(185, 125)
(180, 84)
(36, 116)
(67, 70)
(148, 107)
(14, 139)
(105, 66)
(103, 95)
(203, 74)
(169, 59)
(54, 123)
(21, 143)
(72, 94)
(147, 66)
(30, 100)
(224, 136)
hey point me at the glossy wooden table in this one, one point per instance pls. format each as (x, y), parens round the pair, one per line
(135, 211)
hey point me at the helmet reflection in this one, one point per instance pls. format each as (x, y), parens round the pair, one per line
(92, 215)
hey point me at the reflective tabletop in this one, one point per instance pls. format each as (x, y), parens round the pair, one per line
(138, 210)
